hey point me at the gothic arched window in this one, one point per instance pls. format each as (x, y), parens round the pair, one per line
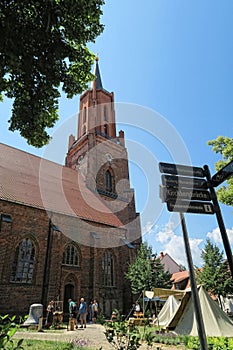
(108, 181)
(24, 262)
(108, 269)
(71, 256)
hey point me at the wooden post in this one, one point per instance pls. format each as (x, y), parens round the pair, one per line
(40, 324)
(71, 324)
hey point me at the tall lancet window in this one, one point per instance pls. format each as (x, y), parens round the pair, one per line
(84, 114)
(24, 262)
(108, 181)
(108, 269)
(105, 114)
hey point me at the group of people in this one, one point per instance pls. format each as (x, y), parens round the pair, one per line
(81, 312)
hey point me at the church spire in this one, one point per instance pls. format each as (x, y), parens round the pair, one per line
(97, 83)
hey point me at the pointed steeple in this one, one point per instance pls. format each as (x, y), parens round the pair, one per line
(97, 83)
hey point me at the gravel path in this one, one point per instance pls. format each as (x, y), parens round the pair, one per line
(93, 334)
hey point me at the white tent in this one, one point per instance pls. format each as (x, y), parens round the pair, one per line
(167, 311)
(216, 322)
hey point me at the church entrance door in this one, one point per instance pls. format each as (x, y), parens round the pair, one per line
(68, 293)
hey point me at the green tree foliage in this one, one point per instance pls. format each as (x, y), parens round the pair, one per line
(43, 45)
(182, 267)
(224, 146)
(147, 272)
(8, 328)
(214, 275)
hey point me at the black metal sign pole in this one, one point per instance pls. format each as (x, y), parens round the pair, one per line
(220, 220)
(195, 296)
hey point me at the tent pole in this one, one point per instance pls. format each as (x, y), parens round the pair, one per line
(194, 291)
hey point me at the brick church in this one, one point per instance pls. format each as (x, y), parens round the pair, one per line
(72, 230)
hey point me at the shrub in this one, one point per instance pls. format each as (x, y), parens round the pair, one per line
(100, 318)
(8, 327)
(120, 336)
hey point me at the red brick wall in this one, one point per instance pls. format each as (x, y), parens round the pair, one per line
(16, 298)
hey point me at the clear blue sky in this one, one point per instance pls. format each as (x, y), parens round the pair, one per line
(173, 58)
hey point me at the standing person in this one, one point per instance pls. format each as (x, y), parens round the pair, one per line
(76, 313)
(95, 309)
(90, 311)
(71, 308)
(83, 313)
(137, 307)
(49, 315)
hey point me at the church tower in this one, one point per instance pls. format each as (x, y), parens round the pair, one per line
(70, 231)
(98, 154)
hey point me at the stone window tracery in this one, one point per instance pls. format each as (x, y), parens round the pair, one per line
(108, 269)
(24, 262)
(71, 256)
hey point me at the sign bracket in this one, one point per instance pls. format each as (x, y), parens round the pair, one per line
(220, 220)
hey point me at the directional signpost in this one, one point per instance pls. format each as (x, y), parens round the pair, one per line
(223, 174)
(185, 193)
(171, 193)
(184, 189)
(178, 169)
(193, 207)
(183, 181)
(191, 189)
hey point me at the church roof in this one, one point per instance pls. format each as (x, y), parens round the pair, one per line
(37, 182)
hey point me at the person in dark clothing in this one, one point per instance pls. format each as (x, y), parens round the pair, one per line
(49, 315)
